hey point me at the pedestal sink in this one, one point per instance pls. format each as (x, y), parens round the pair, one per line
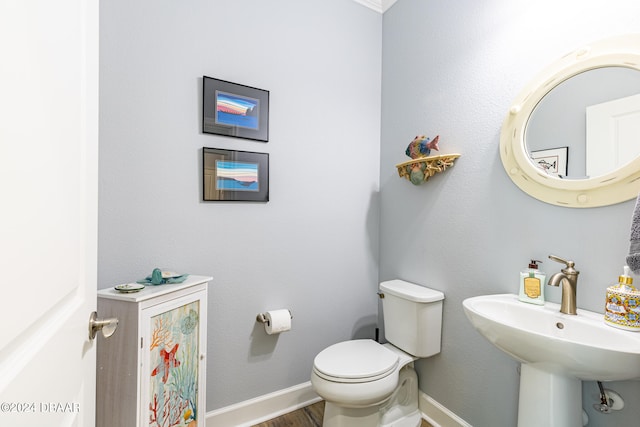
(557, 352)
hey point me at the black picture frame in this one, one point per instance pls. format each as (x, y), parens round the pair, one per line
(553, 161)
(235, 110)
(234, 176)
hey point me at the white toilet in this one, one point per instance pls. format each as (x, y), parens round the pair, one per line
(367, 384)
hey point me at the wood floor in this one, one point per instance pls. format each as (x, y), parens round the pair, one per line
(309, 416)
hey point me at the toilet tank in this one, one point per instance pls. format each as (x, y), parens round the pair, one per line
(412, 317)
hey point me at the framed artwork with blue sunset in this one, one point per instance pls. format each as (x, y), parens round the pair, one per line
(236, 110)
(235, 176)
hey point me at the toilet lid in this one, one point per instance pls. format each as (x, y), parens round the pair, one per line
(355, 361)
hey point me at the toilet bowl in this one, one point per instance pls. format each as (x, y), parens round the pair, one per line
(368, 384)
(365, 383)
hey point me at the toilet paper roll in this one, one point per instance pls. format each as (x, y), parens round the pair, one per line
(277, 321)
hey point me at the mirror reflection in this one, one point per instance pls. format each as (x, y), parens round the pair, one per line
(588, 125)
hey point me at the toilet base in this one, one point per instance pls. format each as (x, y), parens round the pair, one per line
(400, 410)
(338, 416)
(411, 420)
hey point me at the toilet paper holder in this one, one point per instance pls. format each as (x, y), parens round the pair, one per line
(262, 318)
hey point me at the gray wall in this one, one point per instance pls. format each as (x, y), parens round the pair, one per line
(453, 68)
(313, 247)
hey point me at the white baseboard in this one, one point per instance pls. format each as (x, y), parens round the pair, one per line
(263, 408)
(272, 405)
(437, 415)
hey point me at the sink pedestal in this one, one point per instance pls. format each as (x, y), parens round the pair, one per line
(548, 399)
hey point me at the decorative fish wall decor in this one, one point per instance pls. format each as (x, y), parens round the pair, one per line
(421, 146)
(423, 166)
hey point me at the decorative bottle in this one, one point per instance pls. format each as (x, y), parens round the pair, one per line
(622, 308)
(532, 283)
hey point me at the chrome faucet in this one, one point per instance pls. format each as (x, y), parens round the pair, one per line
(569, 279)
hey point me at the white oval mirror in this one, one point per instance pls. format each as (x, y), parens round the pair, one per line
(554, 153)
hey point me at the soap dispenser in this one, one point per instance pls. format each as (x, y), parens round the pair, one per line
(622, 308)
(532, 284)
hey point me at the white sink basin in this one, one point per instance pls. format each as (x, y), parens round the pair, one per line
(557, 351)
(582, 346)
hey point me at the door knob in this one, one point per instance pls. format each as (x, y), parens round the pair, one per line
(107, 326)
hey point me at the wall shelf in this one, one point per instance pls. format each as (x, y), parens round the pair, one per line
(421, 169)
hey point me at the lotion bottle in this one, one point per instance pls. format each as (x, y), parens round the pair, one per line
(532, 283)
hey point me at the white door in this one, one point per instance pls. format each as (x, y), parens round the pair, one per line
(613, 130)
(48, 215)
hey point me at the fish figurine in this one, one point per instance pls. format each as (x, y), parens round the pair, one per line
(421, 146)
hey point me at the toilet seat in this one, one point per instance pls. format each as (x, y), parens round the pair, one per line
(356, 361)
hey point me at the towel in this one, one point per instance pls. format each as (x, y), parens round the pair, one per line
(157, 279)
(633, 259)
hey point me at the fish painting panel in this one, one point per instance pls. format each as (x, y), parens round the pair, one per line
(174, 360)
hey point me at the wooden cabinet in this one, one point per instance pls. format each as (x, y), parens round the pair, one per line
(151, 371)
